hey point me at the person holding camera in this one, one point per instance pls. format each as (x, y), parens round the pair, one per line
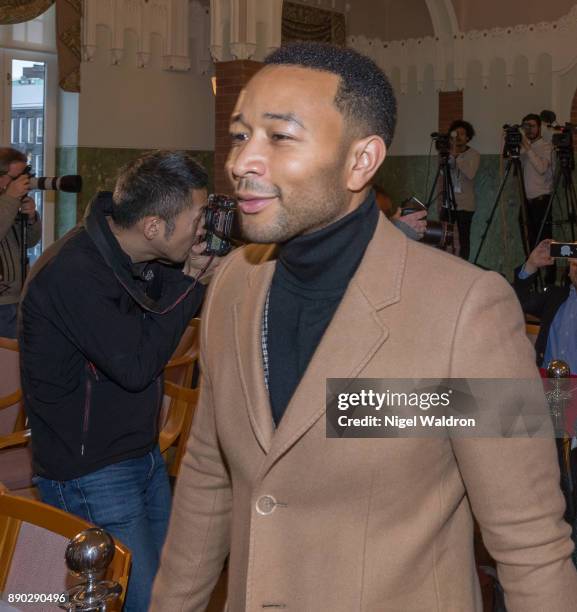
(536, 160)
(464, 163)
(16, 208)
(556, 308)
(413, 225)
(102, 311)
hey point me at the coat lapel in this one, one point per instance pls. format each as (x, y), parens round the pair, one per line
(247, 315)
(354, 335)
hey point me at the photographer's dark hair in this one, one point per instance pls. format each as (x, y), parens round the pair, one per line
(158, 183)
(364, 95)
(532, 117)
(459, 123)
(9, 156)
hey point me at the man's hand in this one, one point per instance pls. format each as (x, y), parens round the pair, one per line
(525, 142)
(539, 257)
(18, 187)
(417, 221)
(29, 208)
(196, 261)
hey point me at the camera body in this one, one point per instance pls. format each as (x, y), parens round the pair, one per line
(219, 217)
(442, 142)
(513, 139)
(562, 139)
(437, 233)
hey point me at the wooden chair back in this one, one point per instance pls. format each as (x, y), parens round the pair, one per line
(15, 456)
(179, 370)
(33, 538)
(179, 420)
(532, 331)
(12, 418)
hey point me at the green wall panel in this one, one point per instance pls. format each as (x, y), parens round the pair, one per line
(99, 168)
(502, 251)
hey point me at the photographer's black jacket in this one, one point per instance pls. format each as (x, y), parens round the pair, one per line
(95, 334)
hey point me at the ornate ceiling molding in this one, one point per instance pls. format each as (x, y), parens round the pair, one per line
(449, 58)
(175, 21)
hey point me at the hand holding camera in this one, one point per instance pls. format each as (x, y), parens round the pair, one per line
(539, 257)
(18, 187)
(415, 220)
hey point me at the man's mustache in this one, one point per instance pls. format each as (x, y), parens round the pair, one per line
(256, 188)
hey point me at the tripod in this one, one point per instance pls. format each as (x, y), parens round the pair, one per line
(513, 163)
(448, 203)
(563, 175)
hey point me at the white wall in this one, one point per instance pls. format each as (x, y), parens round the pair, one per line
(504, 73)
(130, 107)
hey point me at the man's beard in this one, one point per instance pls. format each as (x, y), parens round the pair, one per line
(305, 209)
(297, 215)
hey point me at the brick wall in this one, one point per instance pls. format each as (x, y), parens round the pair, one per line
(231, 77)
(450, 108)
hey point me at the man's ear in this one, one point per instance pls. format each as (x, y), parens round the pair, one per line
(365, 157)
(150, 227)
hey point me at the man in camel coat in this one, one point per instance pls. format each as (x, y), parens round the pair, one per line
(314, 524)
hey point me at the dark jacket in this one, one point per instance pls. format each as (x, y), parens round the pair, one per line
(96, 332)
(542, 304)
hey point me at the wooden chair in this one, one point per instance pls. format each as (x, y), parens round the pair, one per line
(15, 455)
(12, 419)
(176, 429)
(532, 331)
(33, 538)
(180, 369)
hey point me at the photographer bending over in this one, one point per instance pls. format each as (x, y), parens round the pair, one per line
(101, 316)
(14, 186)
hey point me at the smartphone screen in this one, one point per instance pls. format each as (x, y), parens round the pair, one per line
(563, 249)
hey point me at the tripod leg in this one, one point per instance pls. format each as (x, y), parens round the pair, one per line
(572, 205)
(523, 207)
(548, 210)
(493, 210)
(432, 197)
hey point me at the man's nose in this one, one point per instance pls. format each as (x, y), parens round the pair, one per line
(246, 159)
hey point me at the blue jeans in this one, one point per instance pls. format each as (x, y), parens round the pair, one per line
(8, 315)
(131, 500)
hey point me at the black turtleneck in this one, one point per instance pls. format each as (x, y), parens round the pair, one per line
(310, 279)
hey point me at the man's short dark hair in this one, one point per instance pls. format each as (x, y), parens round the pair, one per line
(9, 156)
(158, 183)
(532, 117)
(459, 123)
(364, 95)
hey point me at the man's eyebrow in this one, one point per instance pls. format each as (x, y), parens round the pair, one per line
(237, 118)
(288, 117)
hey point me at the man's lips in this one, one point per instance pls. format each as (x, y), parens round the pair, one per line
(253, 204)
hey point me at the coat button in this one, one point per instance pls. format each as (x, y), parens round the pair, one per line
(265, 504)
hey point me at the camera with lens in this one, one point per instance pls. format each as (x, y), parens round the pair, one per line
(219, 215)
(562, 141)
(442, 142)
(437, 233)
(563, 137)
(71, 183)
(513, 139)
